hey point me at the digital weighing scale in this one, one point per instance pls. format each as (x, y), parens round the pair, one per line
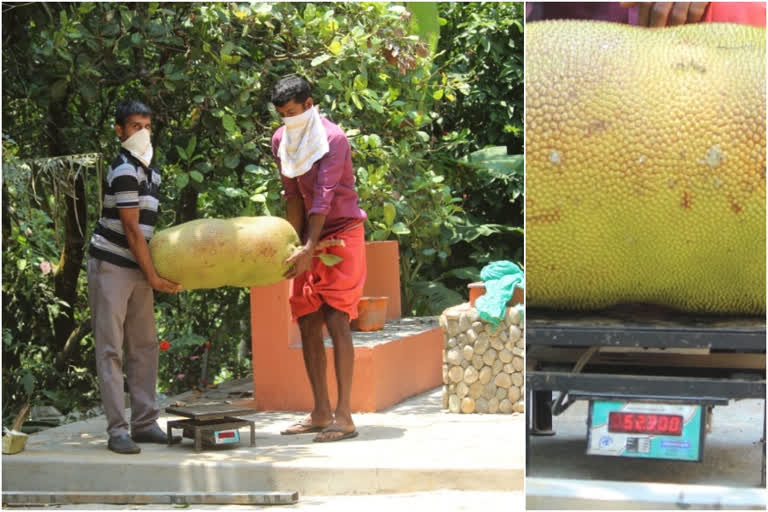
(212, 425)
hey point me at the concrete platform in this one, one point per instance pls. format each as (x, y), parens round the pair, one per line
(454, 501)
(413, 447)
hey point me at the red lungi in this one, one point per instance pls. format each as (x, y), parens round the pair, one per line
(341, 285)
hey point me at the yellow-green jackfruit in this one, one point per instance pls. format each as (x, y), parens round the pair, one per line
(209, 253)
(645, 166)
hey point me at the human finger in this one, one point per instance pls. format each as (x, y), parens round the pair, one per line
(659, 14)
(292, 258)
(696, 11)
(679, 13)
(643, 13)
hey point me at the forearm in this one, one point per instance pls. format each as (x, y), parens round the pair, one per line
(140, 250)
(294, 213)
(314, 229)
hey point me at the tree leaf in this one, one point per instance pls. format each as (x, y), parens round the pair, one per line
(191, 145)
(28, 381)
(231, 160)
(196, 176)
(228, 122)
(389, 214)
(335, 47)
(360, 83)
(182, 180)
(356, 101)
(400, 229)
(329, 260)
(319, 60)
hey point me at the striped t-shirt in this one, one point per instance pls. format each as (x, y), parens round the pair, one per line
(127, 186)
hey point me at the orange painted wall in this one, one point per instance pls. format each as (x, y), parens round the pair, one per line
(408, 366)
(383, 279)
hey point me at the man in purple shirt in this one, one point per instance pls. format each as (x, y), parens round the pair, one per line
(315, 163)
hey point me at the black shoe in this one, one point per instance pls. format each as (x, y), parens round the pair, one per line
(122, 444)
(154, 434)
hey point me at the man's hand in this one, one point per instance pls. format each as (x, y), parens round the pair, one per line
(300, 261)
(163, 285)
(662, 14)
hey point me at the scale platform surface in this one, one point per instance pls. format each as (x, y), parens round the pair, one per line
(216, 422)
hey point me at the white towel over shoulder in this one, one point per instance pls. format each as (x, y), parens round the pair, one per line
(304, 142)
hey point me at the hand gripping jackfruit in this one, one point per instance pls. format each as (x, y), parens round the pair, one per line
(645, 166)
(209, 253)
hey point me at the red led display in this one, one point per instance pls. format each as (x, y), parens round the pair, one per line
(645, 423)
(224, 435)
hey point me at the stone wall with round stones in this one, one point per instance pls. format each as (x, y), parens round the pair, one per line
(482, 366)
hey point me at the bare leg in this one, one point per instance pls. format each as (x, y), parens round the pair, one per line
(344, 359)
(311, 327)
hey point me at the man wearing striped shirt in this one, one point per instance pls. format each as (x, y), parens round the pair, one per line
(121, 279)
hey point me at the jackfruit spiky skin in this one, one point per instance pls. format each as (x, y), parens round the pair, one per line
(645, 166)
(210, 253)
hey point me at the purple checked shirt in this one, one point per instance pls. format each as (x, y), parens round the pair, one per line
(328, 188)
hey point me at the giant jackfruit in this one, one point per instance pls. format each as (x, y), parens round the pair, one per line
(645, 166)
(209, 253)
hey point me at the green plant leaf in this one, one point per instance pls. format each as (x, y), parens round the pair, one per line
(495, 158)
(435, 293)
(319, 60)
(425, 21)
(182, 180)
(28, 382)
(400, 229)
(389, 214)
(335, 47)
(228, 122)
(191, 145)
(360, 83)
(329, 259)
(196, 176)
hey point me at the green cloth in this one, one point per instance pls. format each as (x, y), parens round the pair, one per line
(500, 278)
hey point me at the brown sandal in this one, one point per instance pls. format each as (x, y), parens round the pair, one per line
(335, 428)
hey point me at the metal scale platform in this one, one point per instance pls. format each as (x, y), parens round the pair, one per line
(210, 425)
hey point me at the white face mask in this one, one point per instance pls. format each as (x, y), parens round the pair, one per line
(140, 146)
(304, 142)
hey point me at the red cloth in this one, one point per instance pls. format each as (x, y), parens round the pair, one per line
(745, 13)
(341, 285)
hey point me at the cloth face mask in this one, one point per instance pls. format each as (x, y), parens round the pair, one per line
(304, 142)
(140, 146)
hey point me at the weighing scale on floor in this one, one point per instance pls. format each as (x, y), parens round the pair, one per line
(210, 425)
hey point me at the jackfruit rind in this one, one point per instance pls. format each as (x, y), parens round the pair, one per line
(645, 166)
(210, 253)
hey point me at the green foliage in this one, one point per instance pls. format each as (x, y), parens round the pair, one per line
(419, 123)
(31, 214)
(195, 322)
(483, 43)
